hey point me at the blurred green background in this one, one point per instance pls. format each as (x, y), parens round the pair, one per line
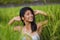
(50, 32)
(27, 1)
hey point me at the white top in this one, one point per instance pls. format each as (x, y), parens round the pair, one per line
(34, 37)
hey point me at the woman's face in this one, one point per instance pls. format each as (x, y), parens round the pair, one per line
(28, 16)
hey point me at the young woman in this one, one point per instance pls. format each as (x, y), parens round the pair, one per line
(31, 28)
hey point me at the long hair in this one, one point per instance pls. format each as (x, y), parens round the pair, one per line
(33, 24)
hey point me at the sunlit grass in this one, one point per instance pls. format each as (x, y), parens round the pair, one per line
(50, 32)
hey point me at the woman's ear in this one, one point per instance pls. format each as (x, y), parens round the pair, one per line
(22, 18)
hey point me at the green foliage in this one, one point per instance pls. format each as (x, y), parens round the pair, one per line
(15, 1)
(50, 32)
(54, 1)
(25, 1)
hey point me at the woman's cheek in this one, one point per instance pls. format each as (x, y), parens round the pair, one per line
(26, 17)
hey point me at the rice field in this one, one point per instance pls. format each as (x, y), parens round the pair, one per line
(50, 32)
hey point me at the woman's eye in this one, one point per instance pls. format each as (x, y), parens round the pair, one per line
(27, 13)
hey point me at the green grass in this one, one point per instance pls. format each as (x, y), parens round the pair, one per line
(50, 32)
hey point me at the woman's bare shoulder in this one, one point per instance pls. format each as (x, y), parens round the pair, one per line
(18, 28)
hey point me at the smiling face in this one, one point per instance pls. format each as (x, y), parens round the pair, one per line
(28, 16)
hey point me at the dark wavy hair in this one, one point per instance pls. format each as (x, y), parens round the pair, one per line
(33, 24)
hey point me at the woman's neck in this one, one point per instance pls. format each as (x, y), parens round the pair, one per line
(28, 26)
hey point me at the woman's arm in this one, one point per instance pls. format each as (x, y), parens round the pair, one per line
(40, 12)
(43, 13)
(41, 25)
(17, 28)
(17, 18)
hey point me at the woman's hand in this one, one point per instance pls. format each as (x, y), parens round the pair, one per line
(40, 12)
(43, 13)
(17, 18)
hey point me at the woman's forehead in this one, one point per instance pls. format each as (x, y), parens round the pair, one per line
(28, 11)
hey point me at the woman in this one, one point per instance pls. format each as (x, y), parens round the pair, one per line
(31, 28)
